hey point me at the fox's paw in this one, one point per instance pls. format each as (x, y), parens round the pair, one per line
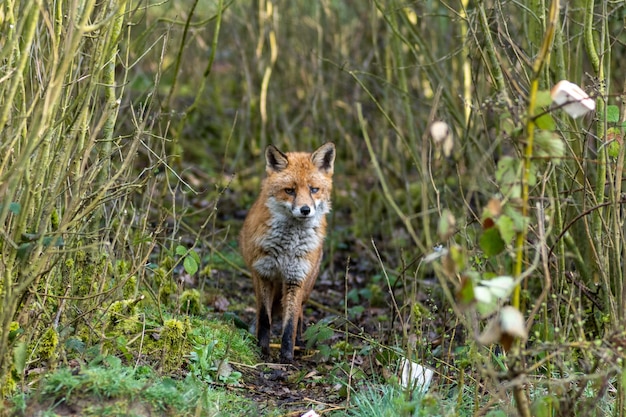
(286, 356)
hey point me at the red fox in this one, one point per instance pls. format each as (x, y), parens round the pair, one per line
(282, 237)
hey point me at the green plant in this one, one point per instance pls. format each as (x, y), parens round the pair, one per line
(207, 367)
(318, 335)
(191, 259)
(387, 401)
(113, 386)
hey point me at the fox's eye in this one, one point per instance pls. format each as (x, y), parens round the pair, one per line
(290, 191)
(314, 190)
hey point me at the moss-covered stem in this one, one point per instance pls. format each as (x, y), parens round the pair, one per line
(494, 67)
(110, 54)
(618, 221)
(541, 60)
(21, 56)
(598, 216)
(265, 16)
(466, 64)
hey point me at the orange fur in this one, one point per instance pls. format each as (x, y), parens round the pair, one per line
(282, 238)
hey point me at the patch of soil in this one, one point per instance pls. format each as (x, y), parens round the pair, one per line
(78, 407)
(295, 389)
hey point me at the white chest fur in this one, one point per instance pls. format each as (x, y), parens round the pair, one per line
(288, 245)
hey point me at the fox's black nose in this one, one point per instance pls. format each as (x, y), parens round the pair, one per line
(305, 210)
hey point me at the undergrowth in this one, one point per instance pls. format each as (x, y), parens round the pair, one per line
(107, 387)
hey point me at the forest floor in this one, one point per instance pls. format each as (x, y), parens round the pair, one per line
(357, 325)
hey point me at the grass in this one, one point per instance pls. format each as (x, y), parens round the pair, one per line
(109, 388)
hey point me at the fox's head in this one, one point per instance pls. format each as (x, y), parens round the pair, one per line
(299, 184)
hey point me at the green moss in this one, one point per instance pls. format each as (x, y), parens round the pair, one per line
(167, 292)
(237, 345)
(7, 386)
(168, 263)
(101, 266)
(377, 295)
(122, 308)
(117, 390)
(123, 317)
(54, 219)
(160, 276)
(206, 271)
(190, 302)
(122, 268)
(130, 287)
(174, 343)
(81, 279)
(48, 344)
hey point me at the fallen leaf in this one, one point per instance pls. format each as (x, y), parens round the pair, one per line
(505, 328)
(572, 99)
(415, 376)
(221, 304)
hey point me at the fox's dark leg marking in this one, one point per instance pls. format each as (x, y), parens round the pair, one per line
(264, 318)
(264, 326)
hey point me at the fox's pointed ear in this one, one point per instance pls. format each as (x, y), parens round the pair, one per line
(324, 158)
(275, 160)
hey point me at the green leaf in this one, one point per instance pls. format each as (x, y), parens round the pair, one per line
(549, 145)
(190, 264)
(445, 228)
(23, 250)
(75, 344)
(181, 250)
(612, 113)
(465, 295)
(458, 257)
(113, 361)
(613, 149)
(506, 227)
(15, 207)
(20, 354)
(195, 256)
(545, 122)
(317, 334)
(486, 304)
(508, 175)
(58, 241)
(543, 99)
(506, 124)
(15, 333)
(519, 220)
(490, 242)
(546, 406)
(507, 170)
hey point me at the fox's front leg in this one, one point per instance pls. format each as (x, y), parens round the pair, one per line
(292, 316)
(265, 293)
